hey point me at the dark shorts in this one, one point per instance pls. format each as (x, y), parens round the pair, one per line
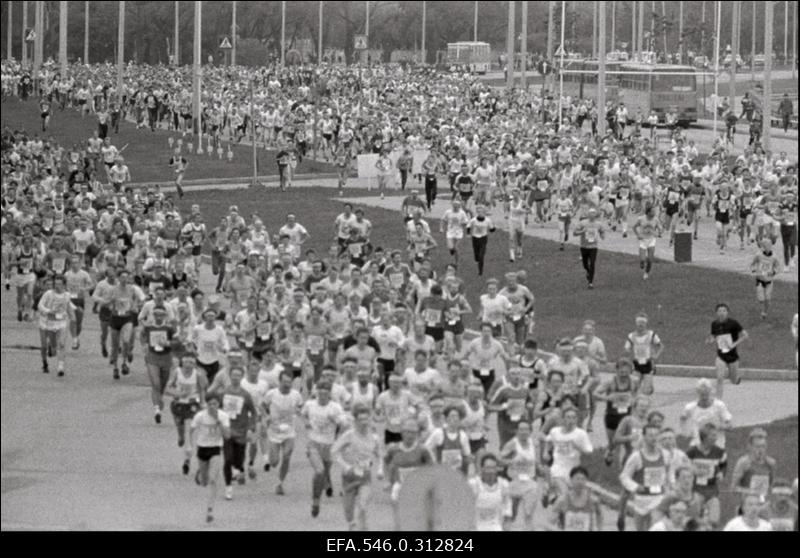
(723, 218)
(644, 369)
(612, 420)
(538, 195)
(456, 328)
(436, 332)
(497, 331)
(79, 303)
(184, 411)
(118, 322)
(477, 445)
(387, 365)
(465, 196)
(327, 136)
(762, 283)
(197, 250)
(730, 357)
(673, 210)
(104, 315)
(391, 437)
(210, 369)
(205, 454)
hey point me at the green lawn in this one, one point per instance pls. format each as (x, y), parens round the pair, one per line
(686, 295)
(148, 153)
(782, 447)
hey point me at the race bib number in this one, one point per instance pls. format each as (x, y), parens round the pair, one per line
(209, 347)
(158, 340)
(622, 402)
(654, 479)
(516, 408)
(542, 185)
(577, 521)
(641, 352)
(232, 404)
(452, 458)
(760, 484)
(724, 342)
(591, 236)
(264, 330)
(403, 472)
(564, 449)
(673, 197)
(170, 244)
(197, 238)
(722, 206)
(355, 249)
(315, 344)
(396, 280)
(703, 470)
(123, 306)
(765, 268)
(432, 317)
(485, 371)
(59, 265)
(487, 515)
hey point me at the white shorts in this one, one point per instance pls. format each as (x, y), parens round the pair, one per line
(24, 279)
(455, 235)
(514, 226)
(647, 243)
(763, 292)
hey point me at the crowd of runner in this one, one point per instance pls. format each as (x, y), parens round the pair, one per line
(365, 353)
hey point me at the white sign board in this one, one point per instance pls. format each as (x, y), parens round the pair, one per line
(360, 42)
(226, 43)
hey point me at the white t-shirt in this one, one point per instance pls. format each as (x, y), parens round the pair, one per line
(323, 420)
(210, 343)
(738, 524)
(389, 340)
(567, 450)
(422, 383)
(494, 309)
(717, 414)
(209, 433)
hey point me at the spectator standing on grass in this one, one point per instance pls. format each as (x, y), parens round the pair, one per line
(748, 106)
(785, 110)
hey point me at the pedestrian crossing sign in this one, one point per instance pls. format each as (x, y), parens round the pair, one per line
(226, 43)
(30, 35)
(561, 51)
(360, 42)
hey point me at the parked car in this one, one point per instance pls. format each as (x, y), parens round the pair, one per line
(701, 62)
(759, 60)
(728, 59)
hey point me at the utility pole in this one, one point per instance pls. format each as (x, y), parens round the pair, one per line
(594, 29)
(734, 50)
(664, 26)
(634, 9)
(366, 32)
(37, 43)
(475, 24)
(120, 52)
(510, 40)
(22, 35)
(550, 31)
(62, 37)
(794, 41)
(785, 32)
(10, 30)
(753, 43)
(197, 75)
(424, 16)
(233, 34)
(561, 65)
(176, 32)
(703, 30)
(523, 47)
(86, 32)
(601, 80)
(718, 22)
(319, 37)
(680, 32)
(613, 25)
(766, 102)
(640, 30)
(283, 33)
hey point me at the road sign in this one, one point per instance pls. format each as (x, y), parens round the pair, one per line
(30, 35)
(360, 42)
(561, 51)
(226, 43)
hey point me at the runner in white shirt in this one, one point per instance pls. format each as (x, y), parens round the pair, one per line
(493, 507)
(749, 520)
(453, 224)
(283, 405)
(568, 443)
(210, 427)
(55, 313)
(494, 308)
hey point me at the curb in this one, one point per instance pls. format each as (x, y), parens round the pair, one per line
(198, 183)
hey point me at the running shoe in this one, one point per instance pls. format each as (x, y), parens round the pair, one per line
(608, 458)
(60, 374)
(158, 417)
(240, 477)
(185, 467)
(314, 510)
(266, 467)
(116, 373)
(104, 351)
(75, 344)
(197, 480)
(210, 516)
(130, 356)
(229, 493)
(19, 315)
(251, 472)
(125, 369)
(45, 368)
(329, 492)
(279, 490)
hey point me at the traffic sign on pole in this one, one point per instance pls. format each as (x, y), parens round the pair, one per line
(561, 51)
(30, 35)
(226, 43)
(360, 42)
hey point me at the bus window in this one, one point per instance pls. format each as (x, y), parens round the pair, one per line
(672, 82)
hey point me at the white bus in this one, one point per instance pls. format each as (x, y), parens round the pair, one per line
(475, 56)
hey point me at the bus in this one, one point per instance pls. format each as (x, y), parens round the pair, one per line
(580, 79)
(661, 88)
(474, 55)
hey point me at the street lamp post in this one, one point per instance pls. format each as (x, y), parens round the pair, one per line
(523, 47)
(766, 103)
(601, 81)
(561, 66)
(510, 46)
(718, 18)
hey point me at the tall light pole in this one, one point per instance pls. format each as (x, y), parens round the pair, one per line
(233, 34)
(197, 73)
(734, 49)
(24, 30)
(120, 52)
(785, 32)
(424, 18)
(86, 32)
(766, 102)
(794, 41)
(594, 29)
(561, 65)
(550, 32)
(510, 46)
(753, 42)
(640, 30)
(283, 33)
(475, 24)
(523, 47)
(177, 53)
(10, 30)
(634, 9)
(601, 80)
(37, 43)
(718, 21)
(62, 37)
(680, 31)
(613, 25)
